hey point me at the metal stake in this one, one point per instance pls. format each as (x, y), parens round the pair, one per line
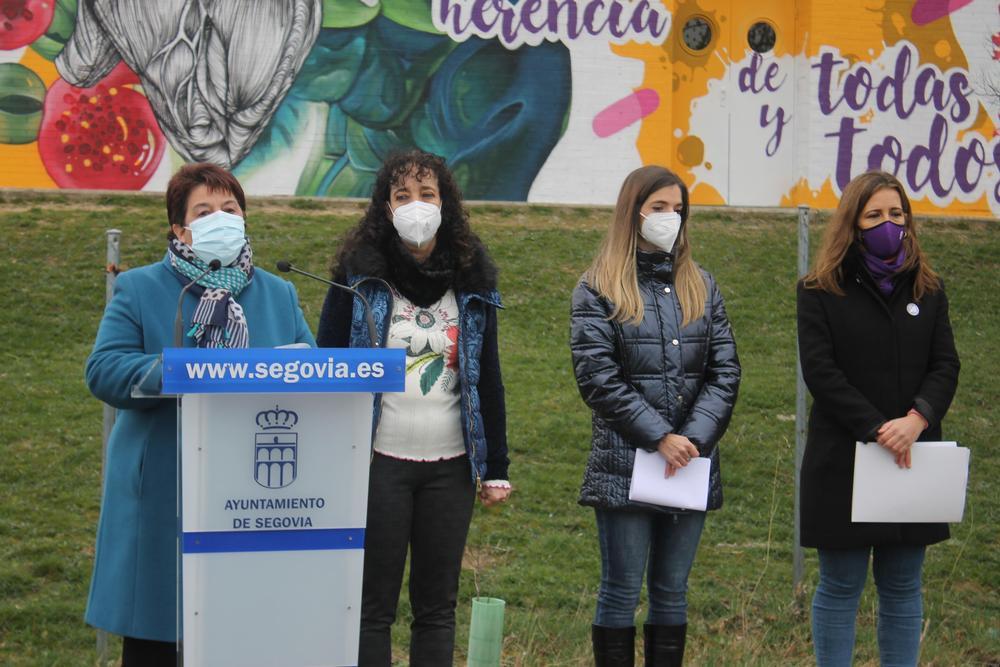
(114, 258)
(800, 415)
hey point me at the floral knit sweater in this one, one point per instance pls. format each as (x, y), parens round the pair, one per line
(424, 422)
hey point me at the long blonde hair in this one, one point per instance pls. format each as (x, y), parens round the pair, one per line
(613, 272)
(842, 232)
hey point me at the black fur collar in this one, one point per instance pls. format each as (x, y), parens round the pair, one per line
(424, 284)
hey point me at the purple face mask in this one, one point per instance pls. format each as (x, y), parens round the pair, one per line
(884, 240)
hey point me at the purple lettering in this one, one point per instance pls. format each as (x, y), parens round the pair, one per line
(517, 22)
(931, 155)
(845, 149)
(925, 96)
(996, 162)
(645, 17)
(772, 71)
(555, 9)
(825, 66)
(855, 83)
(747, 79)
(446, 10)
(780, 121)
(588, 17)
(895, 84)
(975, 153)
(478, 18)
(891, 148)
(529, 7)
(614, 20)
(958, 84)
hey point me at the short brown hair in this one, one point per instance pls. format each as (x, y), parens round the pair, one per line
(190, 176)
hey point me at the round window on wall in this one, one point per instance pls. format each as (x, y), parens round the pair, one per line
(761, 37)
(697, 34)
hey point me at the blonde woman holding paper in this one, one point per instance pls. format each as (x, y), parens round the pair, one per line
(879, 359)
(656, 362)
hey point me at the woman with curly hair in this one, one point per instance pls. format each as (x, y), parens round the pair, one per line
(433, 291)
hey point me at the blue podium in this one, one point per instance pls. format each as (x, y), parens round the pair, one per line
(274, 450)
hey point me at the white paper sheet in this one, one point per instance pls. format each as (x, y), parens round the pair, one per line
(931, 491)
(687, 489)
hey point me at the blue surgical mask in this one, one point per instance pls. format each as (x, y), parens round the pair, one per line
(220, 236)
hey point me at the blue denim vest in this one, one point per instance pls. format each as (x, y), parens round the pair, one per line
(471, 326)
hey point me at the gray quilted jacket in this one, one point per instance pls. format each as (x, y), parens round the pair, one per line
(643, 382)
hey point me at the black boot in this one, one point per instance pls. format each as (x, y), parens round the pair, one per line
(664, 645)
(613, 647)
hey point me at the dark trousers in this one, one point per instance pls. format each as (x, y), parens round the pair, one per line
(148, 653)
(425, 507)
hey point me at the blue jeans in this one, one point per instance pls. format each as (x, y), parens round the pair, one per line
(628, 540)
(842, 575)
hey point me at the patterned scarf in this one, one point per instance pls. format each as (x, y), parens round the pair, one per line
(218, 321)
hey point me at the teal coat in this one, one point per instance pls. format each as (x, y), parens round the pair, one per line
(133, 592)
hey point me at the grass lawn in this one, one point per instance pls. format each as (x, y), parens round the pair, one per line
(539, 552)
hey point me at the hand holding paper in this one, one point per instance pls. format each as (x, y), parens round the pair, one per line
(678, 451)
(686, 488)
(931, 491)
(898, 436)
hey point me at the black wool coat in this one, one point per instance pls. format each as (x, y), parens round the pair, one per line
(645, 381)
(867, 359)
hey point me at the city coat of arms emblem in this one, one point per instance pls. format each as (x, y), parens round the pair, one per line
(276, 448)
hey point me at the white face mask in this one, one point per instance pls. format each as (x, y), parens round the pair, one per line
(661, 228)
(417, 222)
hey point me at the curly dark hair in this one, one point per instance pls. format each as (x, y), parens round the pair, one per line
(375, 229)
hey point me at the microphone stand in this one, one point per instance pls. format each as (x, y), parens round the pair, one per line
(285, 266)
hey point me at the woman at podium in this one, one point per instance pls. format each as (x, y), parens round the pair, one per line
(433, 291)
(229, 303)
(655, 361)
(879, 359)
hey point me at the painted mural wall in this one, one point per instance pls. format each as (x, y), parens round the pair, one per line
(755, 103)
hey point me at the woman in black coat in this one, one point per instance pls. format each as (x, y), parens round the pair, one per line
(655, 361)
(879, 358)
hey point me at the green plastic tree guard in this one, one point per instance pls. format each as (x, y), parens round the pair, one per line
(486, 632)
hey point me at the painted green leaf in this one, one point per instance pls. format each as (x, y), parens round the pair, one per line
(368, 148)
(52, 42)
(21, 96)
(347, 13)
(414, 14)
(431, 374)
(393, 78)
(347, 181)
(331, 66)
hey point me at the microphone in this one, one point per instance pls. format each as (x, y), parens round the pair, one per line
(285, 266)
(214, 265)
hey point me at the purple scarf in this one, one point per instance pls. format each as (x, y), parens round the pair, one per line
(884, 271)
